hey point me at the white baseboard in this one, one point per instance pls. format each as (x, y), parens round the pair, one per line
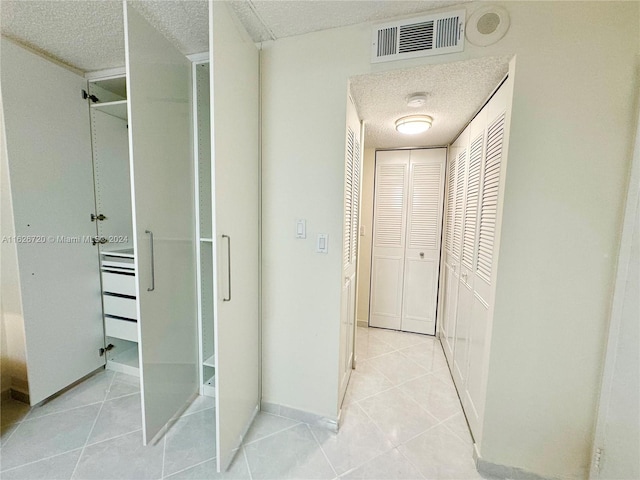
(300, 415)
(363, 323)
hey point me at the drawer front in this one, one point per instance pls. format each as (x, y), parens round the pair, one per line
(120, 307)
(119, 283)
(124, 329)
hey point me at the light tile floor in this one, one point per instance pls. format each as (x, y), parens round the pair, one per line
(401, 420)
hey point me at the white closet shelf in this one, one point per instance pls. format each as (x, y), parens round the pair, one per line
(206, 240)
(209, 387)
(210, 362)
(125, 361)
(115, 109)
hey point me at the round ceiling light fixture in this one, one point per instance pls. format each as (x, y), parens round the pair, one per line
(414, 124)
(417, 100)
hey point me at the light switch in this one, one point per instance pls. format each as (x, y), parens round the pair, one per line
(363, 231)
(301, 228)
(323, 243)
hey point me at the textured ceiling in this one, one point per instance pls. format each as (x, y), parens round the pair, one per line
(455, 92)
(269, 19)
(89, 35)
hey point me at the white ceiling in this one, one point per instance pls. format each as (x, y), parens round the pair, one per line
(455, 92)
(88, 36)
(269, 19)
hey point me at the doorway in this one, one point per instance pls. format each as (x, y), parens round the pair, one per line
(453, 95)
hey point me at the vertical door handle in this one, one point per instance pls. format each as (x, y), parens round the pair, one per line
(227, 297)
(153, 273)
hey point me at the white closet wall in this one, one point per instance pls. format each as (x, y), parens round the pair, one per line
(476, 169)
(408, 199)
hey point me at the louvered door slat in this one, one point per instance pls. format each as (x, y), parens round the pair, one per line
(425, 206)
(348, 201)
(389, 204)
(459, 206)
(356, 200)
(489, 200)
(451, 185)
(471, 207)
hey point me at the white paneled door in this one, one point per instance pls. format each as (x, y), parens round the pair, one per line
(353, 163)
(389, 225)
(158, 87)
(48, 144)
(409, 196)
(236, 204)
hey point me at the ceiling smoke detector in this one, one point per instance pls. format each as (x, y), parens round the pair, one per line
(416, 100)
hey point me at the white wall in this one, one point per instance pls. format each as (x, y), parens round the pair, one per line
(366, 220)
(569, 153)
(12, 344)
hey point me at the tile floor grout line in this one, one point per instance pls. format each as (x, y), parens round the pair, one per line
(164, 453)
(322, 450)
(379, 428)
(246, 462)
(274, 433)
(95, 421)
(410, 462)
(114, 437)
(29, 419)
(11, 434)
(470, 439)
(187, 468)
(40, 460)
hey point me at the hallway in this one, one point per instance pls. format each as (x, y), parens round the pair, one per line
(401, 420)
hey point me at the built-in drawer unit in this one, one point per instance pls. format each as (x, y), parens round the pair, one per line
(118, 282)
(119, 294)
(121, 328)
(120, 306)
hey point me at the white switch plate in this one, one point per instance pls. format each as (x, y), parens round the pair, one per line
(363, 231)
(301, 228)
(323, 243)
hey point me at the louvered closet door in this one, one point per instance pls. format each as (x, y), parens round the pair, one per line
(387, 270)
(350, 244)
(423, 233)
(463, 302)
(449, 281)
(470, 176)
(483, 270)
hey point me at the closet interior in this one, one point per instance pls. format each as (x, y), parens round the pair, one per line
(128, 266)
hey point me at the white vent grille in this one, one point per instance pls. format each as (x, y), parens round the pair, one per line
(489, 202)
(457, 216)
(471, 208)
(418, 37)
(425, 203)
(389, 205)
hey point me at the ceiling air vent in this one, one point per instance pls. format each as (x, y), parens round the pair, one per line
(418, 37)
